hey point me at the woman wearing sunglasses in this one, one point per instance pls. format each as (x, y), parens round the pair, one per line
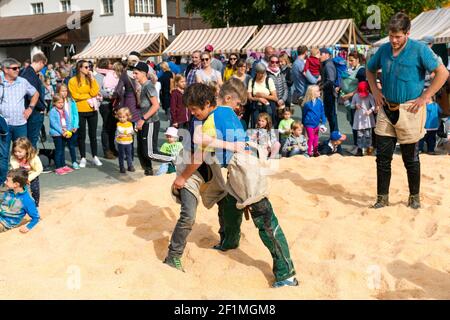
(207, 74)
(274, 73)
(84, 87)
(231, 67)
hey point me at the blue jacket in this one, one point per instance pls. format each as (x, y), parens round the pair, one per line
(313, 113)
(55, 122)
(432, 122)
(15, 206)
(74, 119)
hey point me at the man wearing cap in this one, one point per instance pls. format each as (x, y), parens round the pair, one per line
(149, 124)
(401, 104)
(215, 63)
(333, 145)
(329, 75)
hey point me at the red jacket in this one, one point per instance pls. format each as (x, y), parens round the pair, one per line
(313, 65)
(179, 113)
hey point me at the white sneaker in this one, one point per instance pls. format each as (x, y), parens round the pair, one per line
(83, 163)
(97, 161)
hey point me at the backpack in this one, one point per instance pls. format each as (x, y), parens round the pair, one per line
(341, 70)
(253, 84)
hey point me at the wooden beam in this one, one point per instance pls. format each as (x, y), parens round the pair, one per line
(349, 36)
(354, 35)
(178, 8)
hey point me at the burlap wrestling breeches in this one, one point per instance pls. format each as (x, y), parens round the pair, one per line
(409, 128)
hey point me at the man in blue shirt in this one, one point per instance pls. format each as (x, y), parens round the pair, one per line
(36, 119)
(13, 90)
(298, 77)
(401, 104)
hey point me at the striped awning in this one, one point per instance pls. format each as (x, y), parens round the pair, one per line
(316, 34)
(443, 37)
(223, 40)
(429, 23)
(117, 46)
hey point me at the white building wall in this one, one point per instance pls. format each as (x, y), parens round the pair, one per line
(118, 23)
(146, 24)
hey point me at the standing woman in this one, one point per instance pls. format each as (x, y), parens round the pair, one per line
(348, 89)
(126, 92)
(166, 80)
(262, 94)
(84, 87)
(286, 66)
(231, 67)
(207, 74)
(274, 72)
(148, 124)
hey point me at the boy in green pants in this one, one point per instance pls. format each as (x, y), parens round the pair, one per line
(217, 138)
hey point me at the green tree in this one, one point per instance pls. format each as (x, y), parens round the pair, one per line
(260, 12)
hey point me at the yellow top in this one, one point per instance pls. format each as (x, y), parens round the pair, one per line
(81, 93)
(228, 73)
(124, 133)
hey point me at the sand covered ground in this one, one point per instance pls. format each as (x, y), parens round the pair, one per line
(108, 242)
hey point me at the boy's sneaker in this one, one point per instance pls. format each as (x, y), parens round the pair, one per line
(75, 166)
(174, 262)
(291, 282)
(83, 163)
(122, 170)
(60, 171)
(97, 161)
(131, 169)
(67, 169)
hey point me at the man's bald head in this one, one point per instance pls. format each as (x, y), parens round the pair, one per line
(268, 51)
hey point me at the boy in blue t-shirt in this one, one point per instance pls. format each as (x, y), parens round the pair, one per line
(17, 203)
(219, 136)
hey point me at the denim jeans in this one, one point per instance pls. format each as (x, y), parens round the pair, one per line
(60, 144)
(430, 139)
(34, 125)
(184, 224)
(5, 146)
(364, 138)
(125, 151)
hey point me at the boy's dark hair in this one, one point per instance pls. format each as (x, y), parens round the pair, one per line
(400, 22)
(198, 94)
(19, 176)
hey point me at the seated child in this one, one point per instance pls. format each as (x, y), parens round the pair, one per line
(296, 142)
(24, 156)
(17, 202)
(333, 145)
(284, 127)
(265, 137)
(171, 147)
